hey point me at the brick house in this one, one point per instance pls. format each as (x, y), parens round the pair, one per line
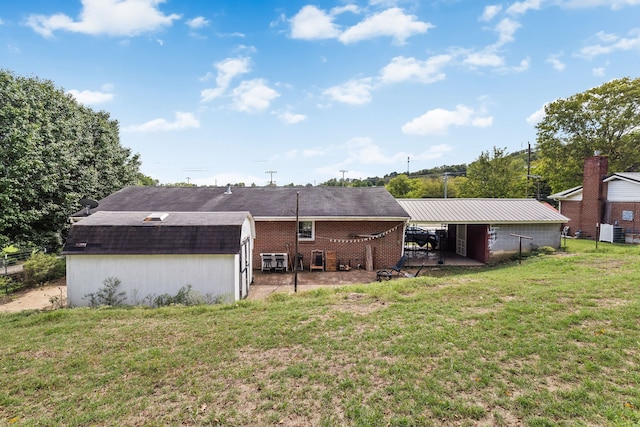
(602, 201)
(358, 226)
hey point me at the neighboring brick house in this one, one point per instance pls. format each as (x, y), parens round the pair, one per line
(360, 226)
(602, 200)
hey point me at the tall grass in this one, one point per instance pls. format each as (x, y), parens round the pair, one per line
(553, 341)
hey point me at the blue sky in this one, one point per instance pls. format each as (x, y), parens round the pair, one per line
(217, 92)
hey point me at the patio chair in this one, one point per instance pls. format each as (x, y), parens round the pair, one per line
(280, 263)
(266, 262)
(390, 272)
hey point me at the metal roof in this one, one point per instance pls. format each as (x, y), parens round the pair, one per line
(480, 211)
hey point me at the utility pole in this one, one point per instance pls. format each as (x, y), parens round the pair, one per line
(537, 178)
(408, 165)
(343, 172)
(271, 176)
(446, 175)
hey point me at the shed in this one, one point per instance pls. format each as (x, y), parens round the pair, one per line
(158, 253)
(487, 230)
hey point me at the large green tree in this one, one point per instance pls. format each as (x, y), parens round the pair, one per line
(53, 152)
(604, 119)
(495, 175)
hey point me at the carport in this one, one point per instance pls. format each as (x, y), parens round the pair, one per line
(484, 229)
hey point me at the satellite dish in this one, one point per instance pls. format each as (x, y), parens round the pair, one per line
(88, 204)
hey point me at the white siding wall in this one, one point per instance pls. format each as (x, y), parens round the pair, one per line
(143, 275)
(623, 191)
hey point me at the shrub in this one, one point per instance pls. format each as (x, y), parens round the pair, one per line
(185, 296)
(108, 295)
(41, 268)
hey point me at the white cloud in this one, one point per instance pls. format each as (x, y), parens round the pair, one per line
(311, 23)
(391, 22)
(484, 59)
(362, 150)
(253, 96)
(556, 63)
(228, 69)
(354, 92)
(613, 4)
(291, 118)
(506, 30)
(523, 66)
(198, 22)
(612, 43)
(490, 12)
(427, 71)
(599, 72)
(183, 121)
(89, 97)
(536, 116)
(439, 120)
(521, 7)
(110, 17)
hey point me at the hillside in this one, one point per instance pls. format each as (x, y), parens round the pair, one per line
(551, 341)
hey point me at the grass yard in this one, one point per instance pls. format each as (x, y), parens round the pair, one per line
(553, 341)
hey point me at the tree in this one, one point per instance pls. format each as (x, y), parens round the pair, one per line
(53, 152)
(496, 175)
(604, 119)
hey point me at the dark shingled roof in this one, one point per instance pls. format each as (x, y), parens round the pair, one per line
(180, 233)
(262, 202)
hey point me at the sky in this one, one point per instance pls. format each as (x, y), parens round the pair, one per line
(286, 92)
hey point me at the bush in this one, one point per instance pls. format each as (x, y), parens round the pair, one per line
(185, 296)
(41, 268)
(108, 295)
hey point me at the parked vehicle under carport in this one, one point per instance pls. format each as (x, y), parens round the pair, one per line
(421, 236)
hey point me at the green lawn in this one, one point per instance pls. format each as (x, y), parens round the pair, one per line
(553, 341)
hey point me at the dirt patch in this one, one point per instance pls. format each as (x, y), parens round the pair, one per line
(38, 298)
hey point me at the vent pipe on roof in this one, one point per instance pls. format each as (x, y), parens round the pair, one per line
(228, 190)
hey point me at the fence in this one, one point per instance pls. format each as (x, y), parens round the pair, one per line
(12, 263)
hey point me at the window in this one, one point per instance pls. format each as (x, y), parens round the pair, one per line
(305, 230)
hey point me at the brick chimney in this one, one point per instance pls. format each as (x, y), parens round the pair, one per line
(593, 193)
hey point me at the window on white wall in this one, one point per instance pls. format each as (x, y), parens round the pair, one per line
(306, 230)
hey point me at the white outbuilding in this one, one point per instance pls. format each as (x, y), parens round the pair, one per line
(158, 253)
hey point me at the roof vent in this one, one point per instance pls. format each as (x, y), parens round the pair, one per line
(156, 216)
(228, 190)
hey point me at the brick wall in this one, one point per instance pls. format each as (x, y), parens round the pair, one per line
(572, 211)
(593, 194)
(614, 215)
(339, 236)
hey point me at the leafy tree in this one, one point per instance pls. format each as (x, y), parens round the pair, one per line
(53, 152)
(146, 180)
(402, 186)
(604, 119)
(495, 175)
